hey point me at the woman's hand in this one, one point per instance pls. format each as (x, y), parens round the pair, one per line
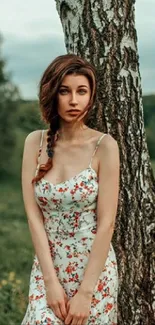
(78, 308)
(57, 299)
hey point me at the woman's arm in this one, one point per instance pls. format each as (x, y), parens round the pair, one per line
(106, 212)
(34, 214)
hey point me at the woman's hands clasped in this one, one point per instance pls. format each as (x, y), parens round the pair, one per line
(78, 309)
(73, 311)
(57, 299)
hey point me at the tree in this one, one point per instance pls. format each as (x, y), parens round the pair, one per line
(9, 95)
(104, 33)
(29, 118)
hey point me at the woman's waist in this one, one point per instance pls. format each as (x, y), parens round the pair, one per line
(71, 231)
(70, 221)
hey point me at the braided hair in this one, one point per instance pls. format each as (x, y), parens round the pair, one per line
(51, 142)
(48, 90)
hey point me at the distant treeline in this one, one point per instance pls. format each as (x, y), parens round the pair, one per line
(149, 122)
(20, 119)
(29, 119)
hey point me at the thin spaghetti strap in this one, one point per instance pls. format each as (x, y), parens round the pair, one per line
(97, 144)
(39, 153)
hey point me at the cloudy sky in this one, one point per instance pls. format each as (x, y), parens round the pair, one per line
(33, 37)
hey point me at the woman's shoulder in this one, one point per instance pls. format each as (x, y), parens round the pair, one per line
(108, 138)
(33, 139)
(34, 135)
(108, 148)
(105, 141)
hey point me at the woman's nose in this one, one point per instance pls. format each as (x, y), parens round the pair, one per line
(73, 98)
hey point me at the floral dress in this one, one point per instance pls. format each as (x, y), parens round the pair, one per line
(70, 220)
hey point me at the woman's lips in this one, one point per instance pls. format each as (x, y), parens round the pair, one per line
(73, 111)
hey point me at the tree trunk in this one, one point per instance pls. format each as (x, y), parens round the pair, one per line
(103, 31)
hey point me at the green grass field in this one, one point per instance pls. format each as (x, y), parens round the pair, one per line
(16, 254)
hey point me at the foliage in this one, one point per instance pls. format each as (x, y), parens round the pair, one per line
(16, 254)
(11, 300)
(9, 96)
(149, 120)
(29, 116)
(149, 108)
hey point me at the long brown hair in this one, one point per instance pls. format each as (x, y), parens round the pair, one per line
(48, 90)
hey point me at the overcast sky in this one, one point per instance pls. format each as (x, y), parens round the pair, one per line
(33, 37)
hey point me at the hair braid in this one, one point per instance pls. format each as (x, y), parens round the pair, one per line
(51, 141)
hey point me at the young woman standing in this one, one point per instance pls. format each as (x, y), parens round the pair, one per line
(70, 181)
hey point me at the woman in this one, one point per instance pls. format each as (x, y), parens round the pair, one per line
(71, 203)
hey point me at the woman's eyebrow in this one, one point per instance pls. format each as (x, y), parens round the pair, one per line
(78, 86)
(82, 86)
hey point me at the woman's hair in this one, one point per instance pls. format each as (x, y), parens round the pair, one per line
(48, 92)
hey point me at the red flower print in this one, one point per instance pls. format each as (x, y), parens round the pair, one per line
(108, 307)
(31, 297)
(48, 319)
(70, 269)
(95, 301)
(38, 297)
(61, 189)
(55, 201)
(100, 287)
(71, 234)
(42, 200)
(57, 269)
(84, 238)
(38, 278)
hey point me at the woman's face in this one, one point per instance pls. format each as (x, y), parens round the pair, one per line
(74, 94)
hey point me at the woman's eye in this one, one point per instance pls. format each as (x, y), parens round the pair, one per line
(82, 91)
(63, 91)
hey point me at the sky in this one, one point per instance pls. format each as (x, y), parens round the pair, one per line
(33, 37)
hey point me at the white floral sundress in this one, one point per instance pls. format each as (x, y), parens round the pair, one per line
(70, 220)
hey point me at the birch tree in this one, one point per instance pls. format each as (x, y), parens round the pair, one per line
(103, 32)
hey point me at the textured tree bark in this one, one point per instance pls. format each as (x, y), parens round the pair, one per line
(103, 31)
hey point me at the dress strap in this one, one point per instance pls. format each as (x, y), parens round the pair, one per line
(39, 153)
(97, 145)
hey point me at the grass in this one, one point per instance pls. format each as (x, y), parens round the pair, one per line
(16, 254)
(15, 240)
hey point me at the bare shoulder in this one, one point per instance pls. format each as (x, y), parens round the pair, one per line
(108, 149)
(30, 152)
(33, 137)
(32, 142)
(109, 142)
